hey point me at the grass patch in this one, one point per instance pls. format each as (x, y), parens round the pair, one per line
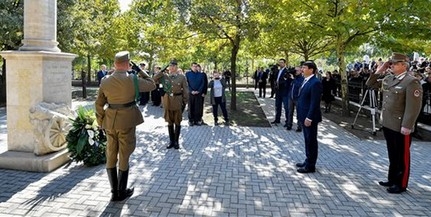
(248, 113)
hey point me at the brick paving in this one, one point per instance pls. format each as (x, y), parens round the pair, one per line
(227, 171)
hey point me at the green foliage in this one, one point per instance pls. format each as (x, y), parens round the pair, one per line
(85, 142)
(11, 24)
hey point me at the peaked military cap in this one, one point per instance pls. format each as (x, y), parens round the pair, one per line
(122, 56)
(173, 62)
(399, 57)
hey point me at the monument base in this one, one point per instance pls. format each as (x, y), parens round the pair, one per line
(27, 161)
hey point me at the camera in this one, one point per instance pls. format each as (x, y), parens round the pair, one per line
(291, 70)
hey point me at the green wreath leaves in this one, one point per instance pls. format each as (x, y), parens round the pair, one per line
(86, 142)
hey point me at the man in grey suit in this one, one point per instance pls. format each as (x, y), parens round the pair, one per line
(402, 98)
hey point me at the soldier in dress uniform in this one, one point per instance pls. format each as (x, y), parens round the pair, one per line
(118, 114)
(402, 98)
(174, 101)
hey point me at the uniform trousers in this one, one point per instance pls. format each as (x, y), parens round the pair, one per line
(173, 117)
(399, 157)
(120, 145)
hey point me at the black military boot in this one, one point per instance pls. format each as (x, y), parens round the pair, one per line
(177, 136)
(113, 180)
(123, 191)
(171, 137)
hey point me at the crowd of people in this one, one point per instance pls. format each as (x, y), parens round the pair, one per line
(297, 88)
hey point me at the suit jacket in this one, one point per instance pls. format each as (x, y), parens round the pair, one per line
(296, 84)
(119, 88)
(309, 101)
(100, 75)
(283, 85)
(402, 100)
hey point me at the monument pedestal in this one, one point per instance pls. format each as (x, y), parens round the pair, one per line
(27, 161)
(35, 78)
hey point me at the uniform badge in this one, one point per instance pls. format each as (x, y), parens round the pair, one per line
(417, 93)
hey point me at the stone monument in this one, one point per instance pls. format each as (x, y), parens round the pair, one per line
(38, 94)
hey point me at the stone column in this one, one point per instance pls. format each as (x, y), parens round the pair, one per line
(37, 75)
(40, 26)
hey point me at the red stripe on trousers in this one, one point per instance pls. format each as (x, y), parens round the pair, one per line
(406, 171)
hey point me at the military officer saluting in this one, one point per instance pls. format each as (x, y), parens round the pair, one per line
(118, 114)
(402, 98)
(174, 100)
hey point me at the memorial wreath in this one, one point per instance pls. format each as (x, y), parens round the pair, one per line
(86, 142)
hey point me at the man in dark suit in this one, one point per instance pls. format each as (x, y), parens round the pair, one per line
(282, 86)
(402, 99)
(118, 115)
(260, 79)
(101, 74)
(309, 115)
(272, 79)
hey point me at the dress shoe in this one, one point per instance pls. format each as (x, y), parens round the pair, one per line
(306, 170)
(288, 128)
(300, 164)
(275, 122)
(298, 130)
(395, 189)
(386, 184)
(191, 123)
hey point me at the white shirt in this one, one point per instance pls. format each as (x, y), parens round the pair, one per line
(279, 73)
(306, 79)
(218, 88)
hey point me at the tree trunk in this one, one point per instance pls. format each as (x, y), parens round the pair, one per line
(344, 87)
(88, 68)
(234, 54)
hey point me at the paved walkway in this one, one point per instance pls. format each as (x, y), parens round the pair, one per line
(227, 171)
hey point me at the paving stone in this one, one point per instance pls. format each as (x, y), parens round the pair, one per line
(228, 171)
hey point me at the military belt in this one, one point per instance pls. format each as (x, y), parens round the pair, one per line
(119, 106)
(175, 94)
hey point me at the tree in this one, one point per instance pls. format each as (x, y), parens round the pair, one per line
(350, 23)
(230, 20)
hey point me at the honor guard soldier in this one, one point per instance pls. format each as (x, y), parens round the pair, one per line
(118, 114)
(174, 100)
(402, 98)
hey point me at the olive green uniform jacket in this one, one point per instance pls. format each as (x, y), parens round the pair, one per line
(119, 88)
(176, 95)
(402, 100)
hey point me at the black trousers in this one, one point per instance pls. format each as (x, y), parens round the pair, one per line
(262, 89)
(195, 107)
(155, 97)
(399, 157)
(311, 145)
(219, 102)
(145, 97)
